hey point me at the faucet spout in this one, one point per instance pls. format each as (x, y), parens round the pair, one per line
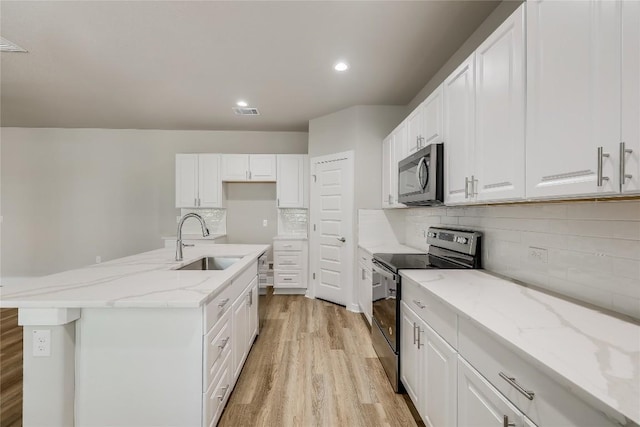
(179, 244)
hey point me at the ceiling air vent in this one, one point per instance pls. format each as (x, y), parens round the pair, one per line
(246, 111)
(7, 46)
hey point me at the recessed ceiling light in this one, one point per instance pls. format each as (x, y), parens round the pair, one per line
(241, 104)
(7, 46)
(341, 66)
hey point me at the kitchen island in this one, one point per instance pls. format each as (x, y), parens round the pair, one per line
(135, 341)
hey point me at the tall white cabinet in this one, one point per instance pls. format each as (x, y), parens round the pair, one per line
(629, 156)
(573, 97)
(394, 149)
(198, 183)
(459, 132)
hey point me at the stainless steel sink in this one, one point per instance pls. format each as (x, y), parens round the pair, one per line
(211, 263)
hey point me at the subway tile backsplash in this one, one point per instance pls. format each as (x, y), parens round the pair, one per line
(591, 249)
(293, 221)
(216, 220)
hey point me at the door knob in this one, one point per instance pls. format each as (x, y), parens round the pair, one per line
(342, 239)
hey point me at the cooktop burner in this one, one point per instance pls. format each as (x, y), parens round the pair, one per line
(397, 262)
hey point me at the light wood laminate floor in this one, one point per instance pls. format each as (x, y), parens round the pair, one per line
(10, 368)
(313, 365)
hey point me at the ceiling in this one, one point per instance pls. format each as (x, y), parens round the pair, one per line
(184, 64)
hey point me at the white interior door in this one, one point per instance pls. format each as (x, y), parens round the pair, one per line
(332, 228)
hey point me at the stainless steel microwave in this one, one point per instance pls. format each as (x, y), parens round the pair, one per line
(421, 177)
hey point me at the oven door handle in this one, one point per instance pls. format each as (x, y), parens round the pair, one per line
(378, 268)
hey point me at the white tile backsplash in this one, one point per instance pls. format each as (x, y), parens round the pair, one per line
(293, 221)
(379, 227)
(216, 220)
(593, 248)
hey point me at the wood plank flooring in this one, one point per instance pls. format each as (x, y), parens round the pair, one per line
(10, 368)
(313, 365)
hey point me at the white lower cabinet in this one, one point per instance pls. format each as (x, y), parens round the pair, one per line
(428, 370)
(365, 291)
(289, 266)
(244, 314)
(480, 404)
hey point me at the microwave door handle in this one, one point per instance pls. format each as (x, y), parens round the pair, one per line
(419, 173)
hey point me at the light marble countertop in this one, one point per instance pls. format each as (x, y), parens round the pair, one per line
(388, 248)
(290, 237)
(194, 237)
(148, 279)
(595, 354)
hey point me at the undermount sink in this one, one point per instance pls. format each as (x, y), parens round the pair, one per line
(211, 263)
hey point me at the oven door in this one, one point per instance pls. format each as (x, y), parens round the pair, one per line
(385, 303)
(420, 177)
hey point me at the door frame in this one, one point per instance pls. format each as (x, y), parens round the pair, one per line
(351, 302)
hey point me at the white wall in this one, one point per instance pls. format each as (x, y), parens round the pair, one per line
(592, 248)
(71, 194)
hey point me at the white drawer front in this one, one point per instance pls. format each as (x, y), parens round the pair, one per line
(216, 397)
(217, 345)
(287, 260)
(437, 315)
(288, 245)
(551, 405)
(287, 279)
(365, 258)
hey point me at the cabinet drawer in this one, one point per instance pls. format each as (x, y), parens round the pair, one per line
(552, 404)
(216, 308)
(435, 313)
(288, 245)
(217, 345)
(287, 279)
(216, 397)
(365, 258)
(284, 260)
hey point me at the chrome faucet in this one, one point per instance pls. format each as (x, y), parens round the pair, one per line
(179, 244)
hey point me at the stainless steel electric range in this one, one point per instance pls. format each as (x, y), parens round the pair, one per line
(448, 248)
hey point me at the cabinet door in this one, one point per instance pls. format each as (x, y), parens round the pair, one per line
(480, 404)
(387, 147)
(235, 167)
(433, 119)
(573, 96)
(262, 167)
(253, 312)
(438, 396)
(459, 132)
(631, 95)
(209, 181)
(500, 87)
(240, 328)
(409, 367)
(186, 180)
(399, 153)
(365, 291)
(415, 123)
(290, 182)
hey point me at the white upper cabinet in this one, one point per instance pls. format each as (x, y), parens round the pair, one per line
(198, 183)
(500, 100)
(249, 167)
(630, 161)
(432, 117)
(415, 129)
(291, 182)
(235, 167)
(459, 132)
(186, 180)
(262, 167)
(573, 97)
(394, 149)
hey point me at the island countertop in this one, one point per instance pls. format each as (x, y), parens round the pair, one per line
(595, 354)
(145, 280)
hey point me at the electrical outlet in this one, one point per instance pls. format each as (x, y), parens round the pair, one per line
(265, 222)
(537, 255)
(98, 259)
(42, 343)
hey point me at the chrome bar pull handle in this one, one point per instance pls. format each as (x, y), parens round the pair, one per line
(419, 304)
(466, 187)
(224, 343)
(224, 392)
(511, 380)
(414, 332)
(623, 162)
(474, 191)
(419, 343)
(601, 156)
(223, 302)
(506, 423)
